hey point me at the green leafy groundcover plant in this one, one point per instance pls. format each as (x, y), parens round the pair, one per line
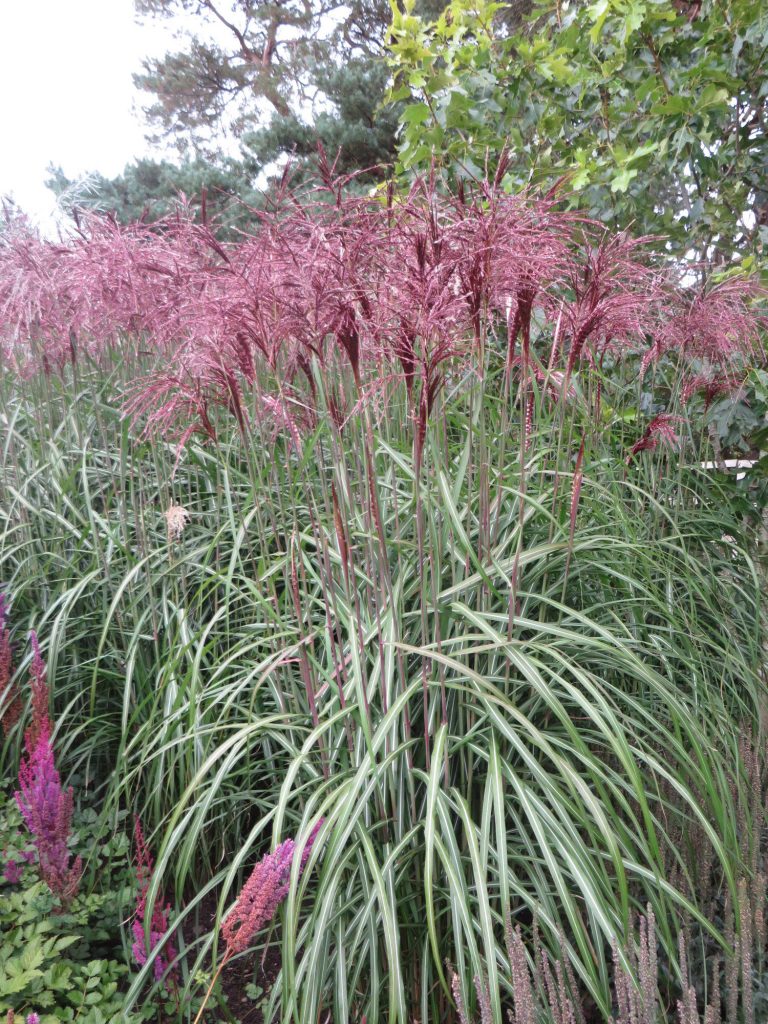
(436, 562)
(64, 965)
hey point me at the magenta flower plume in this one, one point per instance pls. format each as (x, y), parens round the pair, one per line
(158, 922)
(12, 872)
(44, 804)
(660, 429)
(47, 811)
(711, 386)
(418, 293)
(263, 893)
(11, 704)
(40, 726)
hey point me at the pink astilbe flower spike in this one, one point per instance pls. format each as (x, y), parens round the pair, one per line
(40, 726)
(158, 922)
(263, 893)
(44, 804)
(11, 703)
(12, 872)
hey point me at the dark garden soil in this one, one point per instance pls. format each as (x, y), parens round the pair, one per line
(259, 968)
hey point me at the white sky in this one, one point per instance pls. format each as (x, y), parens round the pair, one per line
(66, 93)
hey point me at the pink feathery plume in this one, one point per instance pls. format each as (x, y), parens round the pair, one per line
(263, 893)
(40, 726)
(716, 323)
(711, 386)
(10, 694)
(616, 296)
(660, 429)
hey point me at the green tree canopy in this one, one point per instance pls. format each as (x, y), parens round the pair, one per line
(149, 188)
(276, 73)
(273, 78)
(654, 109)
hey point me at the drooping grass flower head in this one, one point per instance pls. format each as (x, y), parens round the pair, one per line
(176, 517)
(660, 429)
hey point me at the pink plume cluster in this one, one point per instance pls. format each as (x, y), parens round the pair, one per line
(44, 803)
(660, 429)
(158, 922)
(263, 893)
(11, 704)
(422, 288)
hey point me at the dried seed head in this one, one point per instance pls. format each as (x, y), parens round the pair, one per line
(484, 1000)
(458, 998)
(176, 517)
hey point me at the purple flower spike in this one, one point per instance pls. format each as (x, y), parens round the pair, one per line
(12, 872)
(263, 893)
(158, 923)
(44, 803)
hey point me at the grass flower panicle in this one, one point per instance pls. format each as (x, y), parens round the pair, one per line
(661, 428)
(176, 518)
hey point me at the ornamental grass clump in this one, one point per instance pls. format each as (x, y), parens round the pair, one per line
(418, 589)
(44, 803)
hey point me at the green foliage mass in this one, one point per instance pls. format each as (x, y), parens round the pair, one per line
(277, 77)
(61, 963)
(356, 125)
(655, 110)
(149, 189)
